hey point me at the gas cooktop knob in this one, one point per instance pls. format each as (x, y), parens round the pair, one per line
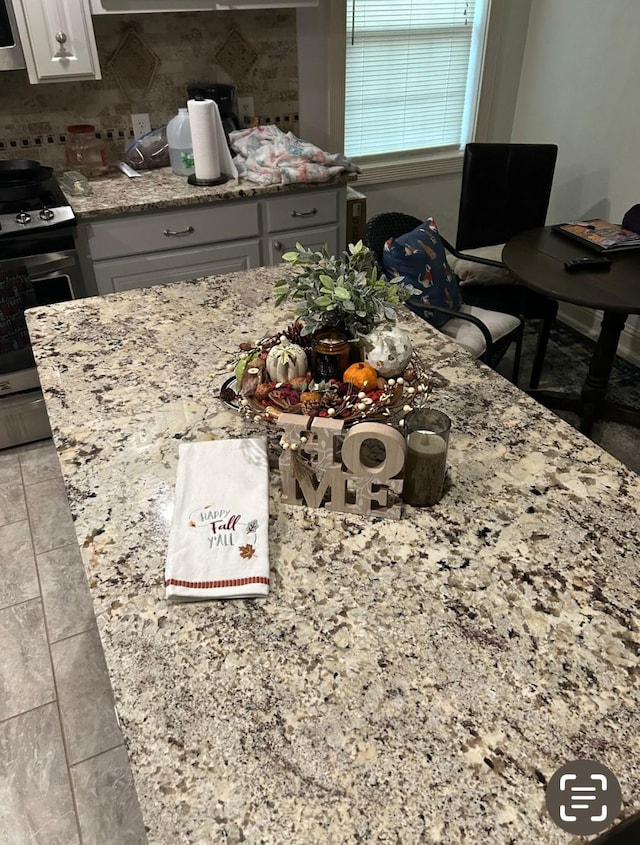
(46, 214)
(23, 218)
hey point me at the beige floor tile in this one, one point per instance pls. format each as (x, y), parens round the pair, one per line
(18, 576)
(36, 804)
(10, 466)
(26, 680)
(39, 461)
(108, 808)
(12, 503)
(49, 515)
(85, 696)
(65, 593)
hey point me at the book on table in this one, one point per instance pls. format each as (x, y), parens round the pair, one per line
(600, 235)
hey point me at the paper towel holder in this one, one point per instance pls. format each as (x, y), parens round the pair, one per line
(193, 180)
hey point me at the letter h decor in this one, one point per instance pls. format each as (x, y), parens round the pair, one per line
(318, 464)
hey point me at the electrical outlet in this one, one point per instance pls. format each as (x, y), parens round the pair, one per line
(140, 124)
(245, 109)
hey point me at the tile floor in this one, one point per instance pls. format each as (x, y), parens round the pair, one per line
(65, 777)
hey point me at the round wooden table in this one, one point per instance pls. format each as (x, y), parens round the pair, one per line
(537, 259)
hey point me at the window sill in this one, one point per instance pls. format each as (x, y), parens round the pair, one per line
(415, 167)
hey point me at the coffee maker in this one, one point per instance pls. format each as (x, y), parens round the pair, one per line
(224, 96)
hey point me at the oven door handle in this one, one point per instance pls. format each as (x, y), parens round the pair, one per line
(38, 265)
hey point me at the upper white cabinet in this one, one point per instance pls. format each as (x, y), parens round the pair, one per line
(124, 7)
(266, 4)
(130, 7)
(57, 39)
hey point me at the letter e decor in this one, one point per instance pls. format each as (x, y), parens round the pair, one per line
(360, 472)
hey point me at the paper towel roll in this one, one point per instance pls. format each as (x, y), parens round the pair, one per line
(203, 119)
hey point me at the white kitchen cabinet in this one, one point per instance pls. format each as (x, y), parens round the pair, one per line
(143, 271)
(265, 4)
(57, 39)
(187, 242)
(130, 7)
(140, 250)
(312, 218)
(309, 238)
(179, 228)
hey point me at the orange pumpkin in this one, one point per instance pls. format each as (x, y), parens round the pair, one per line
(362, 376)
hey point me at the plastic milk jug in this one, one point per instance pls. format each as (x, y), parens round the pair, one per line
(180, 147)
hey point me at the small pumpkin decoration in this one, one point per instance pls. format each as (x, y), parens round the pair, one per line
(390, 350)
(362, 376)
(286, 361)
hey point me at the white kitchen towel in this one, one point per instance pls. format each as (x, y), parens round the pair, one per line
(219, 538)
(211, 155)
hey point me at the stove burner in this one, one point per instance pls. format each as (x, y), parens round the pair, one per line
(46, 208)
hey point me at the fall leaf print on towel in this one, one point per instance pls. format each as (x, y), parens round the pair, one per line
(247, 552)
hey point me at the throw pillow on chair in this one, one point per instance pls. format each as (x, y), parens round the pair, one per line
(420, 257)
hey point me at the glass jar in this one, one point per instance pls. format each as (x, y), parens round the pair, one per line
(427, 438)
(84, 152)
(330, 354)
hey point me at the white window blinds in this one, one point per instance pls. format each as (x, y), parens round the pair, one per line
(412, 71)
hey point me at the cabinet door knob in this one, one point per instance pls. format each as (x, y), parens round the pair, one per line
(278, 245)
(304, 213)
(61, 37)
(170, 233)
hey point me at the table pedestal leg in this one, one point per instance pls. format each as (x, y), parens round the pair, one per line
(592, 405)
(595, 386)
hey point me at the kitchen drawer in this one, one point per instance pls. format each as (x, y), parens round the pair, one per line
(297, 211)
(185, 227)
(143, 271)
(309, 238)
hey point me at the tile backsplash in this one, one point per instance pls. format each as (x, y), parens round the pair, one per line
(147, 61)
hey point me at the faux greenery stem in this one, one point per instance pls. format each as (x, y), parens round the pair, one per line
(346, 292)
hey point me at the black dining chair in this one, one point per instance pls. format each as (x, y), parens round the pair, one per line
(505, 191)
(484, 333)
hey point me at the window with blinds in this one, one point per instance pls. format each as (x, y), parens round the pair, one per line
(412, 73)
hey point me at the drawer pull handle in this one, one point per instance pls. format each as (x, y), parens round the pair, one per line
(278, 245)
(304, 213)
(188, 231)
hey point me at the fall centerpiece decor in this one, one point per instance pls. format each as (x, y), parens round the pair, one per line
(335, 385)
(362, 393)
(345, 310)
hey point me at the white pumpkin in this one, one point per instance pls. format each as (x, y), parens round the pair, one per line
(286, 360)
(390, 350)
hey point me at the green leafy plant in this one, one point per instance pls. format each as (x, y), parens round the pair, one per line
(345, 292)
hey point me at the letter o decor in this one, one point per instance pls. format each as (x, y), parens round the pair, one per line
(390, 438)
(311, 474)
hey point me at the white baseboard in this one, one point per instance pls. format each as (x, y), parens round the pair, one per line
(587, 322)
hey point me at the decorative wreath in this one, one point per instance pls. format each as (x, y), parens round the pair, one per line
(379, 399)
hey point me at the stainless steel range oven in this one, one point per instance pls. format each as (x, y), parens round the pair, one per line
(38, 266)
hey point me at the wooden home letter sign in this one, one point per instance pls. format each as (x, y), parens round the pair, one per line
(312, 468)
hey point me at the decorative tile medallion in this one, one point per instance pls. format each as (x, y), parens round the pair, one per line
(133, 63)
(236, 56)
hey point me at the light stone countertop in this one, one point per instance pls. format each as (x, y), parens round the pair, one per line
(404, 682)
(159, 189)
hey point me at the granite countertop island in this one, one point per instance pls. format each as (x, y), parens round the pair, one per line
(161, 189)
(416, 681)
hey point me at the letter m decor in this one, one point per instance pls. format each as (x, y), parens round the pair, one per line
(360, 472)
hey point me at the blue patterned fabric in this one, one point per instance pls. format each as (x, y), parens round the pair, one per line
(420, 257)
